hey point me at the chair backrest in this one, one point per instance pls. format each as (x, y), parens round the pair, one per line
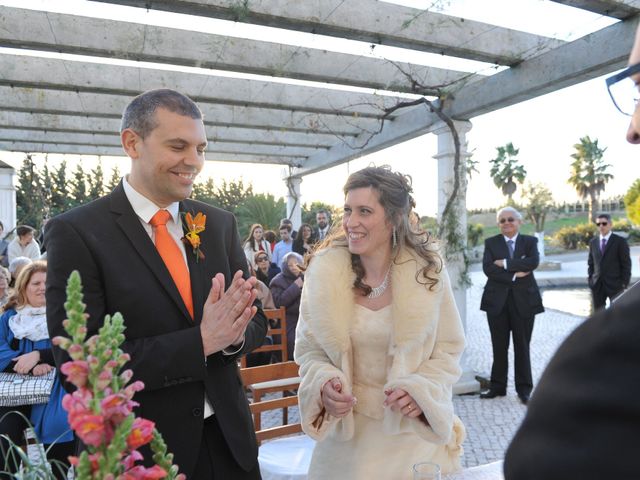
(275, 373)
(278, 317)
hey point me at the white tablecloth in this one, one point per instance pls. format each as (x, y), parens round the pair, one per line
(286, 458)
(490, 471)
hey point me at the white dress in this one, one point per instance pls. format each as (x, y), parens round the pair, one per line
(370, 453)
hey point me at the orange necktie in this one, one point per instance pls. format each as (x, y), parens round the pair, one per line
(172, 257)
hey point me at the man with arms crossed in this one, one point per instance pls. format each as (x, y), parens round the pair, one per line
(584, 417)
(184, 332)
(511, 299)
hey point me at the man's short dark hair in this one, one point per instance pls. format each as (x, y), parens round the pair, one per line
(285, 226)
(139, 115)
(605, 215)
(322, 210)
(23, 230)
(286, 221)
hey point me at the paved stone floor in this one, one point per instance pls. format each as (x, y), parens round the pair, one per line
(491, 424)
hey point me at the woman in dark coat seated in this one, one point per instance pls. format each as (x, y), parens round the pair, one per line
(286, 289)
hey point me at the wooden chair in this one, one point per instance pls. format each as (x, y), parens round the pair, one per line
(285, 456)
(281, 377)
(277, 332)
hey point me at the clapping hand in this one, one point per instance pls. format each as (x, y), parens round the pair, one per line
(522, 274)
(337, 403)
(226, 314)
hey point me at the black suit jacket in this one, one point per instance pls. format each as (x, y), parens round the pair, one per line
(122, 272)
(610, 270)
(584, 416)
(500, 281)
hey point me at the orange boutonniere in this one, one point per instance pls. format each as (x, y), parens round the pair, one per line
(193, 227)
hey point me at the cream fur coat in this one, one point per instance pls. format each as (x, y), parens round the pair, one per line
(426, 345)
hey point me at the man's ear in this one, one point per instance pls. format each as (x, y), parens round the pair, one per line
(130, 142)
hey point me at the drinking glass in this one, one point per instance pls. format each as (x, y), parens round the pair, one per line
(426, 471)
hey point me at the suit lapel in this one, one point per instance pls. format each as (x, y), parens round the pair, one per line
(130, 225)
(196, 272)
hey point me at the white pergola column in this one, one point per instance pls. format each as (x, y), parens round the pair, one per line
(294, 201)
(455, 266)
(7, 196)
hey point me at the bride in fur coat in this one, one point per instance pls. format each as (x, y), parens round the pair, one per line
(378, 365)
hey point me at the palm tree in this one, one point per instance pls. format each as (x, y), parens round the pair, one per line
(260, 208)
(588, 172)
(505, 169)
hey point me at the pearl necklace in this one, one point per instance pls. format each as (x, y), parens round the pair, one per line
(380, 289)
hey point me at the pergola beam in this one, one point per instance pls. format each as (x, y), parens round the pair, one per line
(110, 140)
(114, 39)
(583, 59)
(56, 74)
(93, 125)
(611, 8)
(42, 147)
(95, 104)
(370, 21)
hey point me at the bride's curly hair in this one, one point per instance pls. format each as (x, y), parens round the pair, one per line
(394, 194)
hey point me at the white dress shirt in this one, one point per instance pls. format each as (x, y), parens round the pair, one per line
(145, 209)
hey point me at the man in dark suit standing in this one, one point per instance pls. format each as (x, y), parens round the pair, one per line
(609, 263)
(511, 299)
(184, 332)
(584, 416)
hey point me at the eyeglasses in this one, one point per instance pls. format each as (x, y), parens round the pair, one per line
(602, 224)
(510, 220)
(624, 90)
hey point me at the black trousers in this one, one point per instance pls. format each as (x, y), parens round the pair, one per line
(599, 296)
(509, 321)
(13, 426)
(215, 461)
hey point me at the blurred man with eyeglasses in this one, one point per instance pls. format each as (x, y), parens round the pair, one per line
(609, 263)
(584, 417)
(511, 299)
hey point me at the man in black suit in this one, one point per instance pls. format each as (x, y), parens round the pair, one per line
(583, 420)
(511, 299)
(609, 263)
(183, 346)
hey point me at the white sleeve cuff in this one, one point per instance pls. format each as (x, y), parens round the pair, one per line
(225, 351)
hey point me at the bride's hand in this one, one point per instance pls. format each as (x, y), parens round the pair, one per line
(399, 400)
(336, 403)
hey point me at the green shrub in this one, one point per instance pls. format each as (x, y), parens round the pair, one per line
(474, 234)
(575, 237)
(622, 225)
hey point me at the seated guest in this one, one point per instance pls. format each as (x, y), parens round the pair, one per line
(304, 240)
(286, 289)
(265, 297)
(5, 278)
(265, 269)
(25, 348)
(256, 243)
(15, 267)
(24, 245)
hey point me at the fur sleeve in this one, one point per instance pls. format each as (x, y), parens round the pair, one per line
(316, 368)
(431, 383)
